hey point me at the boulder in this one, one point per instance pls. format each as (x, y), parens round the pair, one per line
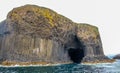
(116, 56)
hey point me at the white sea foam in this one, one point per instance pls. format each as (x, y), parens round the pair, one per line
(95, 63)
(17, 65)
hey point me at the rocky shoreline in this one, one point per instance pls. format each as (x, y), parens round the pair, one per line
(98, 62)
(13, 64)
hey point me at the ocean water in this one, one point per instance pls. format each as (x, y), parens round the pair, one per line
(67, 68)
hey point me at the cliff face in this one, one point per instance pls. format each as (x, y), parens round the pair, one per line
(37, 34)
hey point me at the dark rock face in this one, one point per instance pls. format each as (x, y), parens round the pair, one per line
(117, 56)
(37, 34)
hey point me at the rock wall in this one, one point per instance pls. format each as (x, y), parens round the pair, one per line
(37, 34)
(90, 36)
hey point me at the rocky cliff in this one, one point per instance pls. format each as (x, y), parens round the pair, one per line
(37, 34)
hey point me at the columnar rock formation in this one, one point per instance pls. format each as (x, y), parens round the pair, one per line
(37, 34)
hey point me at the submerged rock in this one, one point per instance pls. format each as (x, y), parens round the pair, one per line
(37, 34)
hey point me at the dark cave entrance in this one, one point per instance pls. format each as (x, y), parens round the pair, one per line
(76, 55)
(76, 51)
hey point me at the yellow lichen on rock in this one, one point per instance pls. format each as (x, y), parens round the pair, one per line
(45, 13)
(20, 12)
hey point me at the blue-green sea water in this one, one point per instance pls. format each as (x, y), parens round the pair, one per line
(68, 68)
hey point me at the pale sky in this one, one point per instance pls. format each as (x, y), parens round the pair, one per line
(105, 14)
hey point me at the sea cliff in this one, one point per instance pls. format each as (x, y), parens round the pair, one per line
(37, 34)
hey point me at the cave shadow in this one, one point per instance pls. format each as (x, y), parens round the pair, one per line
(76, 53)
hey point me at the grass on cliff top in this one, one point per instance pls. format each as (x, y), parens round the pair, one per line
(19, 12)
(94, 29)
(46, 13)
(87, 30)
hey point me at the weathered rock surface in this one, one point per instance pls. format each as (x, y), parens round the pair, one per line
(117, 56)
(37, 34)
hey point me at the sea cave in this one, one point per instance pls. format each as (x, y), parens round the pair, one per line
(76, 54)
(76, 51)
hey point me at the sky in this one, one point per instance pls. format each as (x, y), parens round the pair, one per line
(105, 14)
